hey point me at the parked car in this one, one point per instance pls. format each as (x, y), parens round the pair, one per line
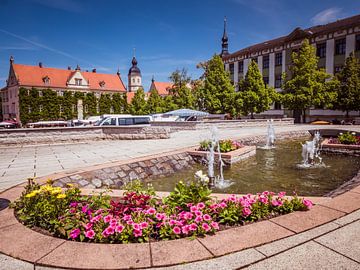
(124, 120)
(5, 124)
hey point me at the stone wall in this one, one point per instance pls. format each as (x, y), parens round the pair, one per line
(115, 176)
(176, 126)
(73, 134)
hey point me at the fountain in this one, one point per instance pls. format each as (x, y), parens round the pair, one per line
(216, 181)
(270, 138)
(311, 152)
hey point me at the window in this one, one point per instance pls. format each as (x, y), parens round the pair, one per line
(40, 108)
(241, 66)
(138, 80)
(111, 109)
(10, 93)
(73, 108)
(340, 46)
(231, 68)
(277, 106)
(277, 81)
(78, 82)
(357, 43)
(40, 93)
(337, 69)
(141, 121)
(29, 109)
(61, 109)
(266, 80)
(60, 93)
(46, 80)
(133, 80)
(86, 108)
(102, 84)
(278, 59)
(266, 61)
(321, 50)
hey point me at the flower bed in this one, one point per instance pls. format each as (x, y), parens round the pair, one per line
(346, 138)
(140, 216)
(225, 146)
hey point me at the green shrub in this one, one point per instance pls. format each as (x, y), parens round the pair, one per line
(347, 138)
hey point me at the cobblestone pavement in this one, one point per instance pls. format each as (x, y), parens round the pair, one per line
(332, 246)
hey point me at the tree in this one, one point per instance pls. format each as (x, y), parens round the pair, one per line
(306, 86)
(119, 103)
(218, 92)
(138, 103)
(254, 96)
(348, 94)
(182, 95)
(155, 103)
(169, 104)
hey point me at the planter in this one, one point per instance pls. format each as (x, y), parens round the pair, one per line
(228, 158)
(350, 149)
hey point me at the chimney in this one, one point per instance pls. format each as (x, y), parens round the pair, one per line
(40, 65)
(94, 70)
(69, 68)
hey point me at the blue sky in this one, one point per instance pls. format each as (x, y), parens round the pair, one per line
(166, 34)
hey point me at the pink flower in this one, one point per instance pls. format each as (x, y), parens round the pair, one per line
(75, 233)
(110, 230)
(88, 226)
(263, 199)
(127, 217)
(193, 208)
(107, 218)
(172, 222)
(276, 203)
(198, 219)
(206, 217)
(136, 226)
(246, 211)
(72, 210)
(144, 225)
(176, 230)
(198, 213)
(73, 204)
(188, 215)
(99, 211)
(84, 209)
(137, 233)
(185, 229)
(119, 228)
(151, 211)
(215, 225)
(206, 227)
(245, 203)
(160, 216)
(193, 227)
(307, 203)
(281, 194)
(232, 198)
(222, 205)
(105, 234)
(266, 193)
(201, 205)
(90, 234)
(95, 219)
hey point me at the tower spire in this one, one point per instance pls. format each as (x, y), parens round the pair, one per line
(224, 44)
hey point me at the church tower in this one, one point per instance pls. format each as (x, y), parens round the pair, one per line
(224, 44)
(134, 77)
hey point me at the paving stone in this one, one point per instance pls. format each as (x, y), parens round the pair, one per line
(307, 256)
(98, 256)
(83, 183)
(348, 218)
(89, 186)
(12, 194)
(318, 215)
(243, 237)
(96, 182)
(228, 262)
(177, 251)
(9, 263)
(19, 242)
(344, 241)
(292, 241)
(347, 202)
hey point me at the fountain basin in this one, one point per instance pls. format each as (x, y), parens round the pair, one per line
(229, 157)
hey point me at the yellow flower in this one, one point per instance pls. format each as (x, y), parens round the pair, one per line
(70, 185)
(56, 190)
(61, 196)
(31, 194)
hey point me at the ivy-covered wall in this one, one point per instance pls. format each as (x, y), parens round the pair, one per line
(46, 105)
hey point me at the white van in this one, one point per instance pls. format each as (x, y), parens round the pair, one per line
(125, 120)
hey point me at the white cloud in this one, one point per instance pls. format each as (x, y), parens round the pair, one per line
(327, 15)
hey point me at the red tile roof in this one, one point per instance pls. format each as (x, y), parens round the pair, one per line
(33, 76)
(298, 33)
(163, 87)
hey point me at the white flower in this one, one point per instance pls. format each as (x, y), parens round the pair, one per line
(201, 176)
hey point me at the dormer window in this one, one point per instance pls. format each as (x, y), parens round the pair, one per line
(46, 80)
(102, 84)
(78, 82)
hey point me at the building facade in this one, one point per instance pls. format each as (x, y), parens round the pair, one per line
(333, 42)
(40, 79)
(134, 77)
